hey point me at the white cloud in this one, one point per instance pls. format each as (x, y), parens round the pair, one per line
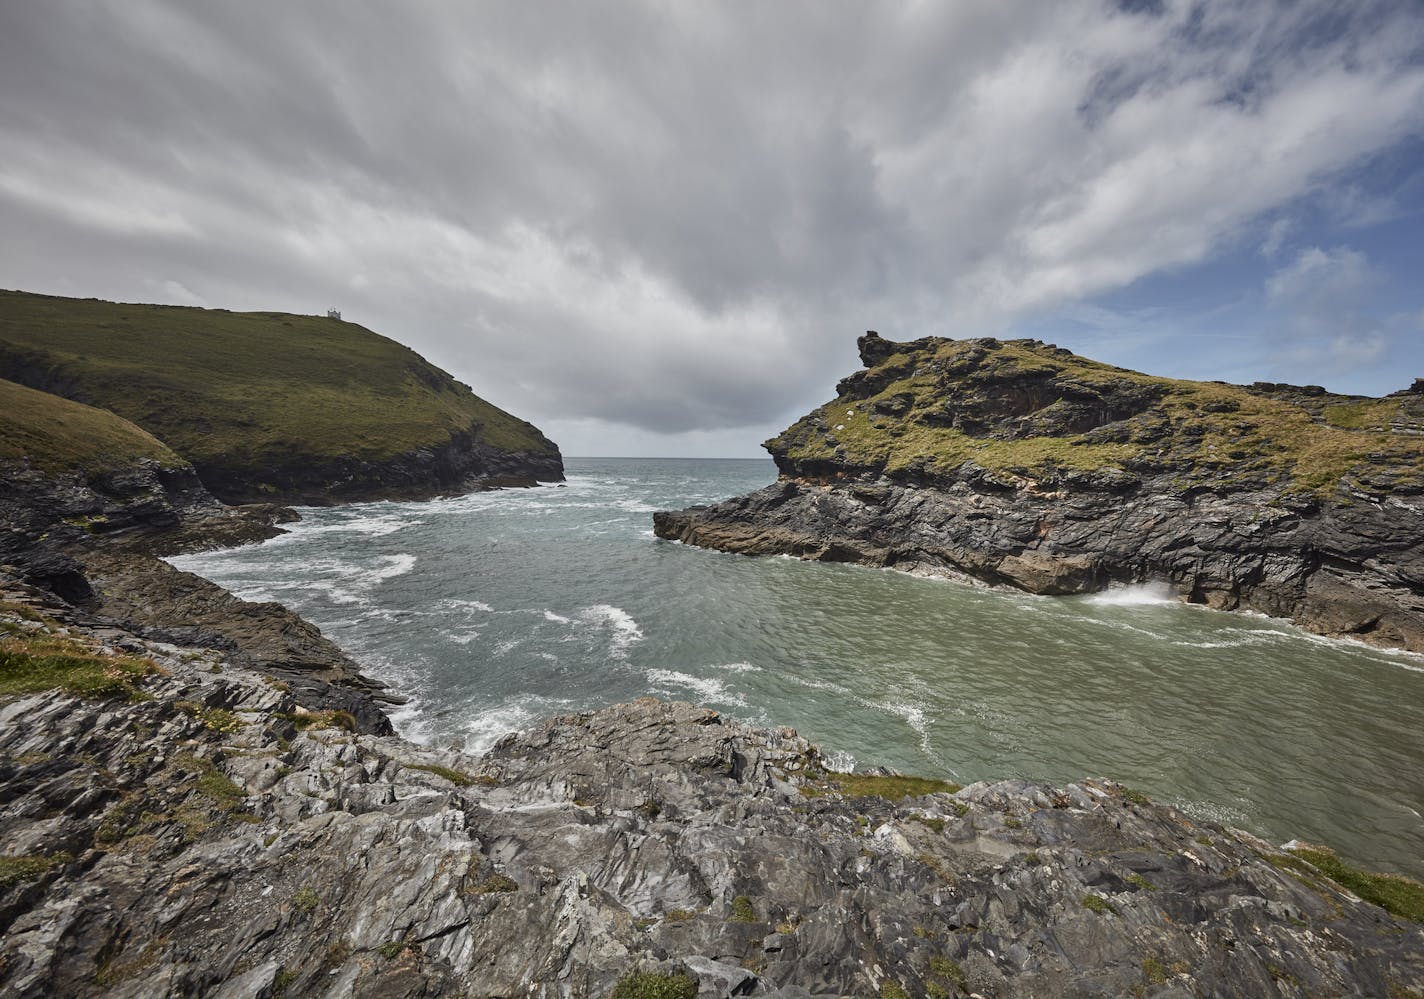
(678, 217)
(1319, 277)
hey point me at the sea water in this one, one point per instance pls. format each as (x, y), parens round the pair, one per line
(493, 610)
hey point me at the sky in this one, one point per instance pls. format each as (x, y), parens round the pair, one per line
(658, 228)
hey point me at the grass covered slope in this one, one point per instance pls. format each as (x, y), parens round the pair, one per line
(61, 437)
(265, 404)
(1023, 408)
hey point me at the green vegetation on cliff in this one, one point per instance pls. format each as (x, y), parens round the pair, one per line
(1027, 409)
(253, 399)
(63, 437)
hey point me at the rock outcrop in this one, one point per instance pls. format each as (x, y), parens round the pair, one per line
(89, 504)
(1018, 463)
(197, 831)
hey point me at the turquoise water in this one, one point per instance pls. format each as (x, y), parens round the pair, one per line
(495, 609)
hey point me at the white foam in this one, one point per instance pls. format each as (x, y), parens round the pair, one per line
(457, 604)
(839, 761)
(738, 667)
(623, 630)
(707, 688)
(396, 565)
(915, 718)
(1136, 595)
(486, 727)
(556, 618)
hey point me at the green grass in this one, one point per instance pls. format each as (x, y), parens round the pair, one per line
(243, 394)
(496, 884)
(13, 870)
(950, 971)
(1101, 905)
(1205, 427)
(1397, 895)
(63, 437)
(1154, 971)
(305, 900)
(742, 911)
(35, 662)
(646, 985)
(875, 786)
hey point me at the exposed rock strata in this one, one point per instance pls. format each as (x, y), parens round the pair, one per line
(461, 464)
(95, 542)
(198, 842)
(1087, 476)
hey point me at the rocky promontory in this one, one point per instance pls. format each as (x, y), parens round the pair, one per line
(1019, 463)
(270, 406)
(176, 823)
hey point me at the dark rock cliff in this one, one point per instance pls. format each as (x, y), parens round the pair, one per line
(94, 539)
(1018, 463)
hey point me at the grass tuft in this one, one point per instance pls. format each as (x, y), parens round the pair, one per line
(13, 870)
(876, 786)
(1397, 895)
(646, 985)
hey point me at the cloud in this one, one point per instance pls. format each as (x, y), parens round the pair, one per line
(1324, 324)
(1317, 278)
(673, 217)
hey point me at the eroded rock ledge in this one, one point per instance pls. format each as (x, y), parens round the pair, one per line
(1017, 463)
(210, 836)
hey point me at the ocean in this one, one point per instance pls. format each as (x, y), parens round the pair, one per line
(492, 610)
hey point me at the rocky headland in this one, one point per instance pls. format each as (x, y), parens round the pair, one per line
(1019, 463)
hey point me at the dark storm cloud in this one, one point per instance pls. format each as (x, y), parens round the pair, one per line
(663, 216)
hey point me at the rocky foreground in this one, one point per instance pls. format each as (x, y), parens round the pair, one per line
(175, 822)
(1017, 463)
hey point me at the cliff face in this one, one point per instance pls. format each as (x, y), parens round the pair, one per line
(1019, 463)
(89, 503)
(270, 407)
(176, 824)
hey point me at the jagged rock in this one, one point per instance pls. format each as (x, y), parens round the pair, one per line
(1016, 463)
(197, 842)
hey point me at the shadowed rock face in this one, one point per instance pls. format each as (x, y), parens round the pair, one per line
(1019, 464)
(200, 842)
(94, 542)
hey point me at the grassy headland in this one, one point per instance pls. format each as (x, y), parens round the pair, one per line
(248, 396)
(63, 437)
(1025, 408)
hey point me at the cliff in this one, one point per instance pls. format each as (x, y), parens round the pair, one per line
(89, 504)
(177, 824)
(1019, 463)
(270, 407)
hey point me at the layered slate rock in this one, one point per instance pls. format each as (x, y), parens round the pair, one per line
(273, 407)
(204, 834)
(1019, 463)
